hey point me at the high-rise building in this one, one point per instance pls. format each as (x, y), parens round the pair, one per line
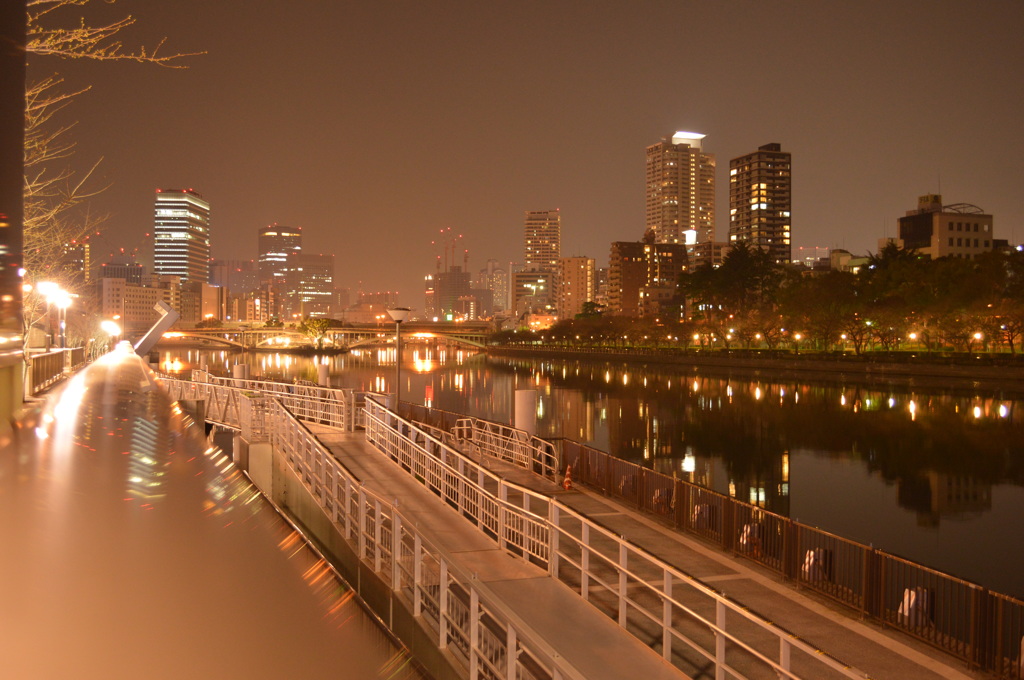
(958, 230)
(627, 272)
(643, 278)
(576, 280)
(276, 243)
(542, 239)
(238, 276)
(760, 200)
(680, 206)
(181, 235)
(495, 279)
(309, 285)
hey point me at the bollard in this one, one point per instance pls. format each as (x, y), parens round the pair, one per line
(526, 411)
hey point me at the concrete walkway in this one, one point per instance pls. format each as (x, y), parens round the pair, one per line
(588, 638)
(589, 641)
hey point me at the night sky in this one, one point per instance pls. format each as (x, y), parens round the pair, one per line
(373, 125)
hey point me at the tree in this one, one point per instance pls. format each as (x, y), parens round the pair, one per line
(314, 328)
(54, 194)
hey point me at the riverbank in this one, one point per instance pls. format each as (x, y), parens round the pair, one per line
(989, 372)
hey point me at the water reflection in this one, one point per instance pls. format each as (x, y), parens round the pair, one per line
(857, 460)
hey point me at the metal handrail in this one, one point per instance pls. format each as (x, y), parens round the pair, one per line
(509, 444)
(455, 606)
(386, 431)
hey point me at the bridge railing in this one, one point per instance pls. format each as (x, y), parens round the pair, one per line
(646, 596)
(326, 405)
(982, 628)
(461, 614)
(509, 444)
(461, 482)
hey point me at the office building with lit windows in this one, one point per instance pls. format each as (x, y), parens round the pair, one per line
(542, 236)
(181, 235)
(576, 282)
(760, 201)
(680, 190)
(275, 243)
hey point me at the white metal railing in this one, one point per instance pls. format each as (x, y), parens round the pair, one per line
(645, 595)
(328, 406)
(461, 482)
(509, 444)
(461, 614)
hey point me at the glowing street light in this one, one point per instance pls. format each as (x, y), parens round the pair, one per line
(112, 329)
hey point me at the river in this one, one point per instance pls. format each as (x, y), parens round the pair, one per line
(933, 475)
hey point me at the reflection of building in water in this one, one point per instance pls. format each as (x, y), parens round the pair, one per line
(766, 487)
(575, 416)
(935, 494)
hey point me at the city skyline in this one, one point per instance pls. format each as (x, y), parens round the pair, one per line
(452, 125)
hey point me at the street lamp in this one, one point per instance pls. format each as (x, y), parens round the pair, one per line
(399, 314)
(112, 329)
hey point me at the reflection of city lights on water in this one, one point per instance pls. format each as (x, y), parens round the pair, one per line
(607, 376)
(757, 393)
(625, 378)
(912, 407)
(696, 386)
(842, 400)
(892, 402)
(689, 463)
(459, 381)
(977, 411)
(1003, 411)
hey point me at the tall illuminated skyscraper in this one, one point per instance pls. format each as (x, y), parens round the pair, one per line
(276, 243)
(680, 206)
(542, 237)
(181, 235)
(760, 200)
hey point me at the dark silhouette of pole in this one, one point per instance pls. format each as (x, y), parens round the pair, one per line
(399, 314)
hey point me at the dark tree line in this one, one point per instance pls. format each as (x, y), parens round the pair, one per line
(898, 299)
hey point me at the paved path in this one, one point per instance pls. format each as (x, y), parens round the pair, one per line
(574, 627)
(589, 641)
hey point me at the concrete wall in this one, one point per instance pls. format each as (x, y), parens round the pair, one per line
(270, 472)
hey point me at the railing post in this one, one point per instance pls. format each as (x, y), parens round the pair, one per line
(666, 616)
(362, 524)
(720, 612)
(585, 561)
(553, 535)
(511, 656)
(396, 550)
(623, 582)
(377, 526)
(784, 653)
(417, 575)
(442, 605)
(474, 633)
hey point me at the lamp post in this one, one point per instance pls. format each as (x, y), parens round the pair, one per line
(63, 302)
(399, 314)
(112, 329)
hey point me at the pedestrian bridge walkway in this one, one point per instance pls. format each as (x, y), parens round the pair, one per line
(511, 576)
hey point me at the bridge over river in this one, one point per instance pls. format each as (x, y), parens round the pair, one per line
(470, 334)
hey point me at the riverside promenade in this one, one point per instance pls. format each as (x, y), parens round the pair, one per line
(594, 643)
